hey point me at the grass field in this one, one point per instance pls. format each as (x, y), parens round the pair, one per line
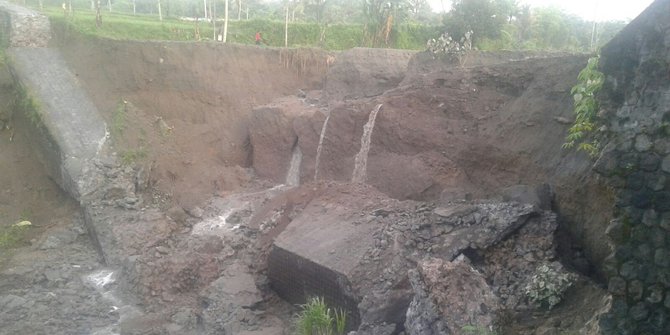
(121, 26)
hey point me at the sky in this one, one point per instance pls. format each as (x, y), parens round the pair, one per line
(601, 10)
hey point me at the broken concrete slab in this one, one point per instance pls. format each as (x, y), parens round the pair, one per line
(356, 254)
(74, 128)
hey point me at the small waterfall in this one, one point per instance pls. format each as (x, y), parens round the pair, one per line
(293, 175)
(361, 160)
(318, 149)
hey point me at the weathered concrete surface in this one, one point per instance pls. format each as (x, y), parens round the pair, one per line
(68, 115)
(71, 142)
(26, 27)
(72, 136)
(317, 255)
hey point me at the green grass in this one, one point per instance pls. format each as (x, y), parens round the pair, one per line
(130, 157)
(23, 102)
(12, 236)
(119, 120)
(316, 318)
(476, 330)
(120, 26)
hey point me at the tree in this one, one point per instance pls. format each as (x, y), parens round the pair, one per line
(380, 16)
(551, 29)
(485, 18)
(523, 23)
(508, 9)
(418, 9)
(315, 9)
(98, 16)
(225, 22)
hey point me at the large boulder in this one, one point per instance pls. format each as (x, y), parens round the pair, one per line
(354, 246)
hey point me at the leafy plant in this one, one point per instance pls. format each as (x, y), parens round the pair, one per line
(24, 102)
(476, 330)
(548, 285)
(446, 46)
(664, 129)
(586, 109)
(11, 236)
(340, 321)
(336, 36)
(119, 119)
(130, 157)
(316, 318)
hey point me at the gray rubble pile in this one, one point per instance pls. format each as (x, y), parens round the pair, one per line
(411, 265)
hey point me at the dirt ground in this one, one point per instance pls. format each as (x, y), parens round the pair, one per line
(27, 192)
(182, 109)
(179, 113)
(44, 270)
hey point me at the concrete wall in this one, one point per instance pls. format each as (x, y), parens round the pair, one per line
(71, 135)
(636, 162)
(71, 129)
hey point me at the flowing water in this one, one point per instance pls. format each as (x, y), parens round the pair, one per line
(361, 160)
(293, 175)
(318, 148)
(104, 281)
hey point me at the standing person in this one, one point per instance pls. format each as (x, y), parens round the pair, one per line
(258, 38)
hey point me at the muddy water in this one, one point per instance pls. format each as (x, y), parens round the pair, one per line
(320, 147)
(293, 175)
(361, 160)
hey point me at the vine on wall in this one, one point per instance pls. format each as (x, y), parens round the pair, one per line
(581, 134)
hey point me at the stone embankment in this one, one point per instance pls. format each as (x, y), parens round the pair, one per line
(636, 163)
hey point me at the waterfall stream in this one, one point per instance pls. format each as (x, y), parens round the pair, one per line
(293, 175)
(361, 160)
(319, 148)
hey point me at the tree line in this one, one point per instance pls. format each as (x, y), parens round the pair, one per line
(495, 24)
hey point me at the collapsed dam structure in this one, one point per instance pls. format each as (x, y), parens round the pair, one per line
(214, 187)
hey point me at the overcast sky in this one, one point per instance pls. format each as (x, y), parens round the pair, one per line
(602, 10)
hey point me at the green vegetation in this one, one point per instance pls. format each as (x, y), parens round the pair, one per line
(3, 55)
(318, 319)
(145, 27)
(4, 36)
(664, 129)
(23, 102)
(119, 124)
(12, 236)
(340, 24)
(586, 109)
(476, 330)
(505, 24)
(130, 157)
(446, 47)
(548, 285)
(119, 119)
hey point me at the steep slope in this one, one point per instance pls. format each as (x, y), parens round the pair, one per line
(448, 133)
(184, 108)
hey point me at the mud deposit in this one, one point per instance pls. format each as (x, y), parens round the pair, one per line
(417, 195)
